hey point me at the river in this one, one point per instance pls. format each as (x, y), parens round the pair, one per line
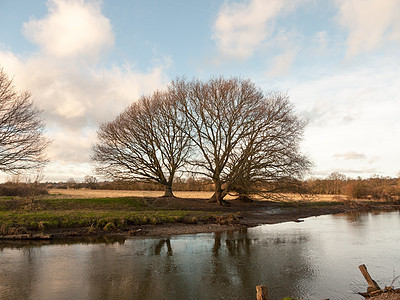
(314, 259)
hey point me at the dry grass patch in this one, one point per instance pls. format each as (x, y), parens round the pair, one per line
(84, 193)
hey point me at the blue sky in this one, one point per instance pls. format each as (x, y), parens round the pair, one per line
(339, 60)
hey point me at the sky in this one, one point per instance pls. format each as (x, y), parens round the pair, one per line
(85, 61)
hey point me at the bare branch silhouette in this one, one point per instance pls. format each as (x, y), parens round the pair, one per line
(245, 139)
(22, 141)
(148, 141)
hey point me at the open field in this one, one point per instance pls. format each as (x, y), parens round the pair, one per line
(85, 193)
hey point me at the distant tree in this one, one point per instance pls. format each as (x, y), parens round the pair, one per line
(148, 141)
(22, 141)
(242, 137)
(28, 187)
(90, 181)
(71, 183)
(33, 186)
(337, 182)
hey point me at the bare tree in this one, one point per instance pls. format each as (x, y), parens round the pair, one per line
(220, 113)
(71, 183)
(22, 141)
(336, 182)
(242, 136)
(148, 141)
(28, 186)
(33, 186)
(90, 181)
(269, 160)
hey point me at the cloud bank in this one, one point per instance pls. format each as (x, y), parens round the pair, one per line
(240, 28)
(68, 82)
(351, 155)
(71, 29)
(370, 23)
(244, 28)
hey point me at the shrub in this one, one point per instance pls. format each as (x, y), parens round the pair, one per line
(355, 190)
(20, 189)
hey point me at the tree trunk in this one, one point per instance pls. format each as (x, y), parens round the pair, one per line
(373, 286)
(213, 198)
(244, 198)
(168, 191)
(219, 193)
(218, 196)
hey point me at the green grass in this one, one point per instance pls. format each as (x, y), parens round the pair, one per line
(95, 203)
(68, 219)
(18, 216)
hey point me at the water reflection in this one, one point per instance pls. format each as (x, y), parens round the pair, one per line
(19, 244)
(315, 259)
(353, 217)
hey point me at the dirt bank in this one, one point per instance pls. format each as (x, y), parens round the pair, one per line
(234, 216)
(263, 212)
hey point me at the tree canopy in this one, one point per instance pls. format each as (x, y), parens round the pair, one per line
(22, 140)
(245, 140)
(148, 141)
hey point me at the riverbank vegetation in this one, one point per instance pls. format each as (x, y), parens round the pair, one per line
(84, 212)
(372, 188)
(91, 216)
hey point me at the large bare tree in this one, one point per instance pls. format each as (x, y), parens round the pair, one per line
(243, 137)
(269, 159)
(22, 140)
(148, 141)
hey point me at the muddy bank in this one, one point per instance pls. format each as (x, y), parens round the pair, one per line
(260, 215)
(235, 216)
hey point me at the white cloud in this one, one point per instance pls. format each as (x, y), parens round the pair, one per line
(76, 94)
(79, 143)
(72, 28)
(71, 108)
(281, 63)
(76, 100)
(351, 155)
(371, 23)
(79, 95)
(350, 110)
(241, 27)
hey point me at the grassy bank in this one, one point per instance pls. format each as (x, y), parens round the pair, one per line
(19, 216)
(61, 215)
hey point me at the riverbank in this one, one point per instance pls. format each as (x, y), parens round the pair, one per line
(57, 217)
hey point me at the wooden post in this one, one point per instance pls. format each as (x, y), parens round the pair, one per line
(373, 286)
(262, 292)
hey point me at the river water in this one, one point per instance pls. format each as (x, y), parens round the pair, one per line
(315, 259)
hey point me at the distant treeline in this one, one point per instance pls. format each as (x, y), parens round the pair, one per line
(375, 187)
(90, 182)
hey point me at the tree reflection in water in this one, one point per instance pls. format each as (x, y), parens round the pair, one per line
(208, 266)
(301, 260)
